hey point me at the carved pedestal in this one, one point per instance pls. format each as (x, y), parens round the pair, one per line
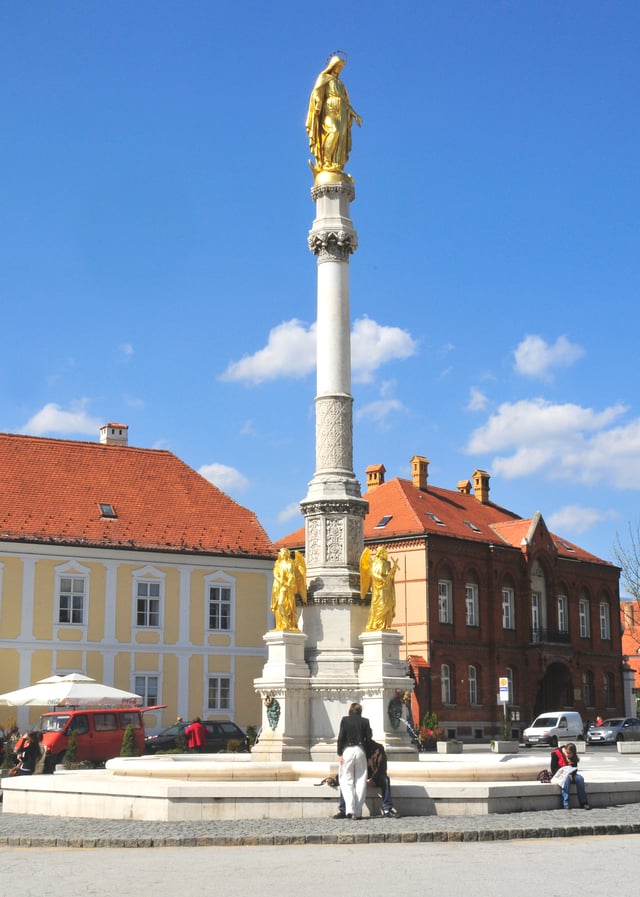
(284, 690)
(383, 683)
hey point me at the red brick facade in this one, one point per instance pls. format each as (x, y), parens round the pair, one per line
(483, 595)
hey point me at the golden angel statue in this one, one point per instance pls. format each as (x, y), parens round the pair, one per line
(289, 580)
(378, 573)
(329, 119)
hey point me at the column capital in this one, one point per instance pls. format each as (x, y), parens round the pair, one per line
(333, 244)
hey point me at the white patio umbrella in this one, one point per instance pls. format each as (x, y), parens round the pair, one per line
(74, 690)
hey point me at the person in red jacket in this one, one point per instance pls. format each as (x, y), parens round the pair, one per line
(196, 735)
(566, 758)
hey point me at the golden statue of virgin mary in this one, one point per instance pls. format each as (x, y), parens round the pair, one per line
(329, 120)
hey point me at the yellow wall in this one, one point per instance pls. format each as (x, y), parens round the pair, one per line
(11, 603)
(87, 648)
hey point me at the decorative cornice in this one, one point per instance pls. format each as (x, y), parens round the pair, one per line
(311, 599)
(342, 188)
(353, 507)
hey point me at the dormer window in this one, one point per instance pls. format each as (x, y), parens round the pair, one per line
(383, 521)
(472, 526)
(107, 510)
(436, 519)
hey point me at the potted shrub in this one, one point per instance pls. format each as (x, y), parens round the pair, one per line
(129, 747)
(430, 733)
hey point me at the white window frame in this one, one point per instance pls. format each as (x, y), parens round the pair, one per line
(583, 618)
(72, 571)
(148, 576)
(508, 608)
(221, 683)
(605, 621)
(220, 581)
(445, 609)
(536, 615)
(471, 604)
(445, 684)
(147, 693)
(563, 613)
(473, 685)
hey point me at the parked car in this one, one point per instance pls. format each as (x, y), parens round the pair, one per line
(620, 728)
(222, 735)
(549, 727)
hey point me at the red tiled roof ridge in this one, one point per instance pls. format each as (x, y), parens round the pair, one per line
(51, 490)
(408, 508)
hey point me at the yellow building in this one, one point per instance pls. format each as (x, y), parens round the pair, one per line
(125, 564)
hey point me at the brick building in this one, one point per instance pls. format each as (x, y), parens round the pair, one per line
(483, 594)
(630, 620)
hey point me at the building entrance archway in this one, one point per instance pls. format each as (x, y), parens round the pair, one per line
(556, 689)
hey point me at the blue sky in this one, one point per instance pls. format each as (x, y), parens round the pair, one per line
(154, 268)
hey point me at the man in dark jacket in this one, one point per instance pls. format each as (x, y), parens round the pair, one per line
(354, 739)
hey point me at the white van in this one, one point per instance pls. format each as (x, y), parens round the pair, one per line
(549, 727)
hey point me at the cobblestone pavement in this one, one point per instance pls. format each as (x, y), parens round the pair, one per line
(22, 830)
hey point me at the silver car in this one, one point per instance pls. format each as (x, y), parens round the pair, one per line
(621, 728)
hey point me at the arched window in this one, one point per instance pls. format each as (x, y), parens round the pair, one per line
(508, 605)
(445, 684)
(587, 689)
(471, 613)
(608, 690)
(563, 612)
(605, 621)
(445, 597)
(583, 615)
(473, 685)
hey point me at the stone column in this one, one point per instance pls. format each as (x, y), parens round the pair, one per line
(334, 509)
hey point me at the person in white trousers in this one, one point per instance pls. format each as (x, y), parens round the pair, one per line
(354, 738)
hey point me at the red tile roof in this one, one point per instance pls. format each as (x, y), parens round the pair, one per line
(51, 491)
(414, 512)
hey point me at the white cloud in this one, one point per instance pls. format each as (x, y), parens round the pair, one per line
(562, 441)
(291, 352)
(477, 400)
(380, 411)
(373, 344)
(290, 512)
(577, 518)
(126, 351)
(248, 429)
(536, 358)
(52, 419)
(226, 478)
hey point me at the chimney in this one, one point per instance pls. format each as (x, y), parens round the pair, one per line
(464, 486)
(114, 434)
(481, 486)
(420, 472)
(375, 476)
